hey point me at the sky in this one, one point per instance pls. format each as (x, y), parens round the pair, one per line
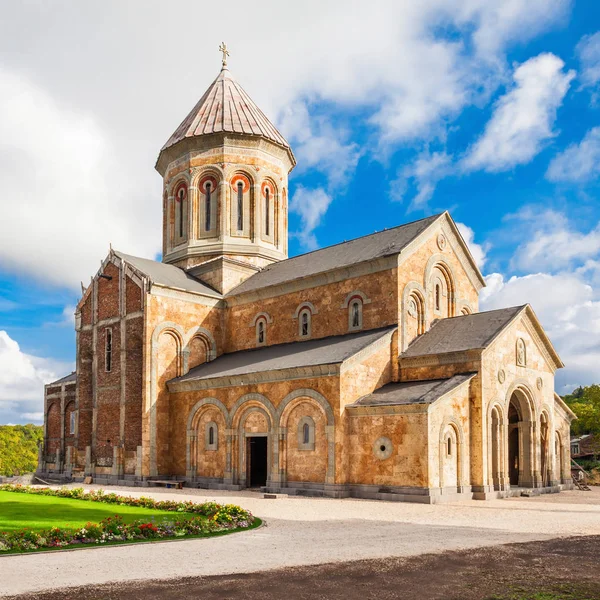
(395, 110)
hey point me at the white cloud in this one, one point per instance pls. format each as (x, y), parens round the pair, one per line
(478, 251)
(579, 162)
(588, 51)
(423, 174)
(311, 205)
(64, 196)
(552, 242)
(318, 145)
(523, 118)
(568, 309)
(22, 379)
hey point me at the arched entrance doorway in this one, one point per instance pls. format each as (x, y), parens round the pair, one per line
(520, 426)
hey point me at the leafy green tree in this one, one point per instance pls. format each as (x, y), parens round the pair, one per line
(585, 403)
(19, 448)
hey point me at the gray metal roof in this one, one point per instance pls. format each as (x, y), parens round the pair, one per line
(467, 332)
(72, 377)
(325, 351)
(168, 275)
(226, 107)
(412, 392)
(345, 254)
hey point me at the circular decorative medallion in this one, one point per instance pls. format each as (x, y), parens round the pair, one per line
(540, 383)
(383, 448)
(501, 375)
(441, 241)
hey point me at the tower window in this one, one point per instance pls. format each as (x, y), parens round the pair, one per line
(208, 207)
(180, 200)
(108, 350)
(438, 294)
(240, 206)
(267, 208)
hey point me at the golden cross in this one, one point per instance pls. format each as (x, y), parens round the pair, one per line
(223, 49)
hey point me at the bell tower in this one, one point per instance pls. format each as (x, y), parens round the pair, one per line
(225, 194)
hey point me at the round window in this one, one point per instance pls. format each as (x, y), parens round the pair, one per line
(383, 448)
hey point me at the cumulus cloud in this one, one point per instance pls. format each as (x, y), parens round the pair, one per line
(523, 118)
(311, 206)
(478, 251)
(588, 52)
(579, 162)
(22, 379)
(552, 242)
(423, 174)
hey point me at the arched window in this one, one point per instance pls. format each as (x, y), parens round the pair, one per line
(72, 422)
(108, 350)
(355, 319)
(207, 214)
(210, 436)
(180, 210)
(240, 206)
(261, 332)
(305, 323)
(438, 294)
(267, 209)
(449, 446)
(305, 433)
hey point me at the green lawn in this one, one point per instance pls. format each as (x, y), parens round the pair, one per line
(43, 512)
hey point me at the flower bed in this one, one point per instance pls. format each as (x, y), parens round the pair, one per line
(210, 518)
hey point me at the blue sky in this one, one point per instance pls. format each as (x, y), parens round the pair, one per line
(395, 112)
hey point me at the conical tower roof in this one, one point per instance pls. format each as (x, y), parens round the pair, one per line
(226, 108)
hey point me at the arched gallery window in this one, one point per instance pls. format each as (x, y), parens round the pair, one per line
(180, 211)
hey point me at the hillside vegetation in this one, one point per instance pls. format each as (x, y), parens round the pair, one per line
(19, 448)
(585, 403)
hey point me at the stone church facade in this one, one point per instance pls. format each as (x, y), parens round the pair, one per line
(362, 369)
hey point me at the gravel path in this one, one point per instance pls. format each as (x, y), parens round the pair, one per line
(304, 531)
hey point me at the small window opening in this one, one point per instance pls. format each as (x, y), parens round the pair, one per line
(267, 208)
(355, 314)
(72, 423)
(261, 332)
(208, 207)
(449, 446)
(240, 206)
(437, 296)
(305, 323)
(211, 435)
(180, 199)
(305, 433)
(108, 350)
(382, 448)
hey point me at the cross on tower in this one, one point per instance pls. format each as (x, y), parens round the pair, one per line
(223, 49)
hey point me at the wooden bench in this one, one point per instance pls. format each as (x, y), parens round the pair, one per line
(168, 484)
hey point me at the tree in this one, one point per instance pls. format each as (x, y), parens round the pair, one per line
(585, 403)
(19, 448)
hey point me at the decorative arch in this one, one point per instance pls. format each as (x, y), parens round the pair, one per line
(413, 291)
(496, 427)
(261, 315)
(272, 450)
(256, 400)
(206, 337)
(301, 395)
(438, 261)
(309, 305)
(453, 424)
(355, 294)
(197, 408)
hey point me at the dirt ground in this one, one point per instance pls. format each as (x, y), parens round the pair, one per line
(558, 569)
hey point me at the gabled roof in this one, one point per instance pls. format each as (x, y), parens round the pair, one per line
(412, 392)
(465, 332)
(167, 275)
(226, 108)
(71, 378)
(369, 247)
(325, 351)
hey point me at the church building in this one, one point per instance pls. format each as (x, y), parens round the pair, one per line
(363, 369)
